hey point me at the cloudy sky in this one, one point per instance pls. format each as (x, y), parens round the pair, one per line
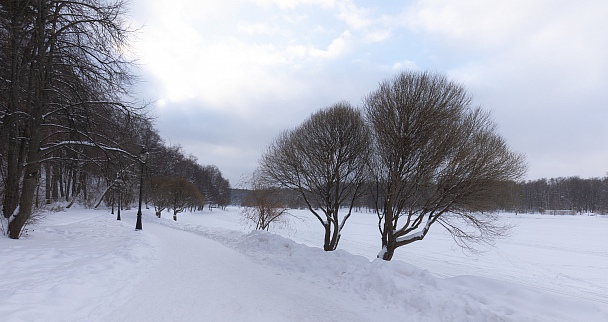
(228, 75)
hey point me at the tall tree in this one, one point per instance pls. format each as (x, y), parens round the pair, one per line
(437, 159)
(324, 160)
(67, 82)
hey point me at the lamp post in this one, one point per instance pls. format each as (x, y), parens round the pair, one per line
(113, 199)
(143, 156)
(119, 186)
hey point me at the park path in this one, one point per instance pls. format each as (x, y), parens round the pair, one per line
(197, 279)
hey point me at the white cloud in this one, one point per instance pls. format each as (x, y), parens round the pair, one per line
(374, 36)
(217, 63)
(336, 48)
(405, 65)
(475, 22)
(540, 65)
(259, 28)
(356, 17)
(292, 4)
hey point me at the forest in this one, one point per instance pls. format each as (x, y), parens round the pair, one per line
(71, 128)
(563, 196)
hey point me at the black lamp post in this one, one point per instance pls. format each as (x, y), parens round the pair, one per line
(143, 156)
(113, 199)
(119, 186)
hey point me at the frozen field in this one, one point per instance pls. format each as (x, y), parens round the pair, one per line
(83, 265)
(561, 254)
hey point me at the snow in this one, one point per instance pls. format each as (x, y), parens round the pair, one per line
(83, 265)
(413, 235)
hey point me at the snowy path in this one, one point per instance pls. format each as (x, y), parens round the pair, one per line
(71, 267)
(198, 279)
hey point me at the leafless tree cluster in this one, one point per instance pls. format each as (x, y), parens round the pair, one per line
(64, 84)
(325, 161)
(68, 127)
(171, 161)
(172, 181)
(174, 193)
(264, 205)
(423, 155)
(563, 195)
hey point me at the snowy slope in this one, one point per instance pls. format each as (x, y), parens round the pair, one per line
(83, 265)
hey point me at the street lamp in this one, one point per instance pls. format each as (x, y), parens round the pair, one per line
(119, 186)
(143, 156)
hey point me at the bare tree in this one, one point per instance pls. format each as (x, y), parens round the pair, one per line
(182, 194)
(264, 205)
(158, 188)
(172, 162)
(324, 160)
(66, 81)
(437, 159)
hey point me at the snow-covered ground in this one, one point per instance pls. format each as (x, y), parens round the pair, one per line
(83, 265)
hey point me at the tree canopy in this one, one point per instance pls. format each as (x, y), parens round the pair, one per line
(324, 160)
(436, 159)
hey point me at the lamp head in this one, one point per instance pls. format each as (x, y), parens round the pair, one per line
(143, 154)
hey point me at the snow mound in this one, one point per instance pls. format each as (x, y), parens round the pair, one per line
(394, 285)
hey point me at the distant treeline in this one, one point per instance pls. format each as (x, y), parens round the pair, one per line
(569, 195)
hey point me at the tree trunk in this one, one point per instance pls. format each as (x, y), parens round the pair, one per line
(11, 189)
(68, 181)
(38, 79)
(55, 183)
(75, 186)
(335, 237)
(11, 118)
(389, 251)
(25, 205)
(13, 170)
(389, 243)
(59, 180)
(48, 180)
(327, 238)
(30, 182)
(83, 185)
(38, 193)
(331, 237)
